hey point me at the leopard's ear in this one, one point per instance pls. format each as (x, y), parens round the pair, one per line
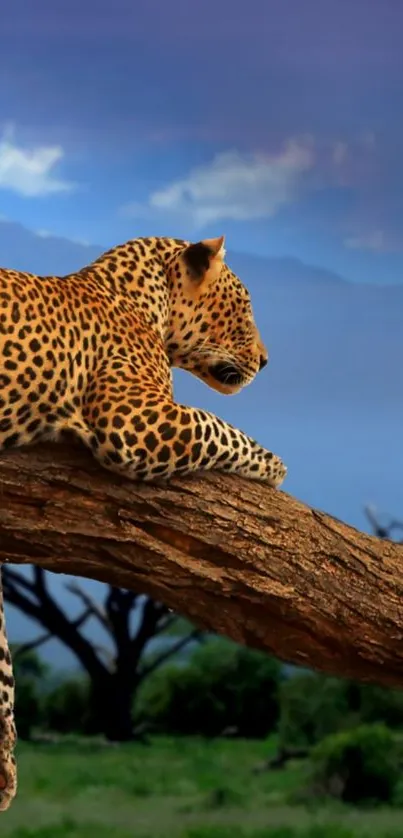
(204, 259)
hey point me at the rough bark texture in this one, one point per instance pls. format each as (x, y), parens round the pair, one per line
(234, 556)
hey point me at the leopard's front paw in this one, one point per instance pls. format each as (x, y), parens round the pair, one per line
(8, 783)
(276, 470)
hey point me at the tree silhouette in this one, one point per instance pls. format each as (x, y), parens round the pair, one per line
(115, 673)
(383, 529)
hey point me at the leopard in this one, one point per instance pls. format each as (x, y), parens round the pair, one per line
(93, 352)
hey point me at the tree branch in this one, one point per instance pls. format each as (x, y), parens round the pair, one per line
(166, 623)
(235, 557)
(172, 650)
(23, 648)
(152, 613)
(93, 608)
(30, 645)
(43, 608)
(380, 530)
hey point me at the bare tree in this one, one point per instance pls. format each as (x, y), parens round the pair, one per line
(383, 530)
(115, 671)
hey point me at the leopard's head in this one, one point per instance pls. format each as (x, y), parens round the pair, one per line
(212, 332)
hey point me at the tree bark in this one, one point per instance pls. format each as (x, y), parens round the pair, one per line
(234, 556)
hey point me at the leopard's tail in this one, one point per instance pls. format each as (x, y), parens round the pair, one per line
(8, 769)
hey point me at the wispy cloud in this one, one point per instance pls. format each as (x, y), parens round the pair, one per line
(374, 240)
(30, 171)
(233, 186)
(47, 234)
(340, 153)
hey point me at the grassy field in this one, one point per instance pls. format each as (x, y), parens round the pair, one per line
(172, 789)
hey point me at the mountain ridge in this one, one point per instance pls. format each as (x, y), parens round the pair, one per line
(59, 248)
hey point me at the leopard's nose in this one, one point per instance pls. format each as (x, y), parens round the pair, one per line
(263, 361)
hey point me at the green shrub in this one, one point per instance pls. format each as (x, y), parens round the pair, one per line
(311, 707)
(379, 704)
(28, 707)
(357, 765)
(223, 686)
(66, 707)
(29, 672)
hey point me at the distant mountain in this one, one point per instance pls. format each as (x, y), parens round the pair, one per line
(332, 341)
(25, 250)
(285, 269)
(330, 401)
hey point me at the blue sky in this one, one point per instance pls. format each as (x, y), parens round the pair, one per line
(276, 122)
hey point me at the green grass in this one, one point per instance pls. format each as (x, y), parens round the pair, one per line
(183, 788)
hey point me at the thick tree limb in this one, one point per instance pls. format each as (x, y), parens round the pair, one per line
(235, 557)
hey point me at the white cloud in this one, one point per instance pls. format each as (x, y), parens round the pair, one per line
(340, 153)
(233, 186)
(368, 139)
(30, 171)
(47, 234)
(368, 241)
(43, 234)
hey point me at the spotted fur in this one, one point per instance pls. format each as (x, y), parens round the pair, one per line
(92, 353)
